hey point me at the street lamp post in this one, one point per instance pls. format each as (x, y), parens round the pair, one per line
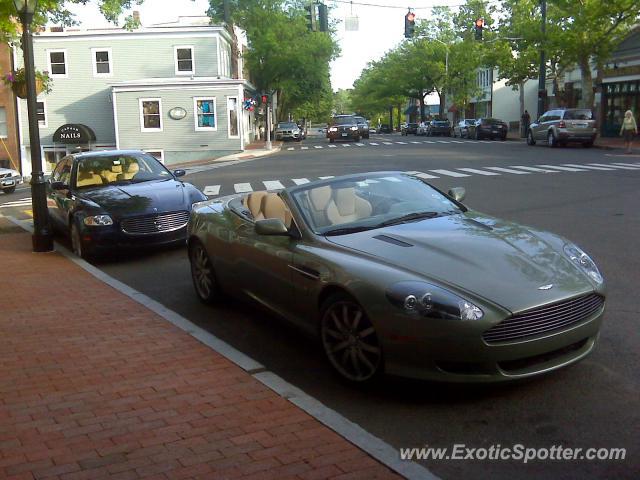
(446, 67)
(42, 238)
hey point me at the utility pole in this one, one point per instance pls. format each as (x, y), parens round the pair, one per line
(542, 83)
(268, 141)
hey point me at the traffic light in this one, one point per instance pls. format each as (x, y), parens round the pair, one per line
(264, 98)
(479, 25)
(323, 17)
(409, 24)
(311, 16)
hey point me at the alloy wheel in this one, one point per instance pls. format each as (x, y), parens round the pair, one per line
(202, 273)
(350, 341)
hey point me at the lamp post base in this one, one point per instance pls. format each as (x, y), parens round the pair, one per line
(42, 238)
(42, 242)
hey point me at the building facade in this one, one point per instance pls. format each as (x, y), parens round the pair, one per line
(9, 153)
(167, 89)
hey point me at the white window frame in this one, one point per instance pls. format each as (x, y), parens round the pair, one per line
(193, 59)
(6, 122)
(66, 63)
(141, 111)
(94, 62)
(239, 120)
(45, 123)
(158, 150)
(195, 114)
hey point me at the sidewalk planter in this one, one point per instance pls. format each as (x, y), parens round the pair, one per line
(20, 88)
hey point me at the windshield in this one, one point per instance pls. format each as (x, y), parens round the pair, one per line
(367, 202)
(578, 115)
(491, 121)
(102, 170)
(361, 121)
(344, 120)
(441, 123)
(287, 125)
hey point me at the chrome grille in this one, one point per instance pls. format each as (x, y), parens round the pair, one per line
(148, 224)
(548, 318)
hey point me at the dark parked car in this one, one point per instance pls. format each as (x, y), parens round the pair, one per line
(561, 126)
(464, 128)
(119, 198)
(384, 128)
(409, 128)
(363, 127)
(343, 127)
(490, 128)
(439, 127)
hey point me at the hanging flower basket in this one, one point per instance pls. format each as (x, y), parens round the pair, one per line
(18, 83)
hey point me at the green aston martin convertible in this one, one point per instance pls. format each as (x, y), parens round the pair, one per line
(395, 276)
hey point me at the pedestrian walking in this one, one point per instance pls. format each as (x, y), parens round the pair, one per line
(526, 121)
(629, 129)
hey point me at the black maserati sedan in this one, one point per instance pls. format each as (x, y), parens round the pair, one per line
(118, 199)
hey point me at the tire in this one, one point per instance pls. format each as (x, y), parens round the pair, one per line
(588, 144)
(77, 245)
(454, 134)
(9, 190)
(356, 139)
(478, 136)
(530, 140)
(331, 140)
(551, 140)
(349, 340)
(502, 139)
(203, 274)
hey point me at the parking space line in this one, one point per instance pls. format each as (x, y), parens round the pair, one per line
(272, 184)
(300, 181)
(242, 187)
(450, 173)
(479, 172)
(507, 170)
(210, 190)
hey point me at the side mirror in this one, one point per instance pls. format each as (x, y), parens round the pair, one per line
(458, 193)
(59, 186)
(271, 226)
(179, 173)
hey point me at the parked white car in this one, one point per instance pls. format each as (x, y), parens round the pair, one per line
(9, 178)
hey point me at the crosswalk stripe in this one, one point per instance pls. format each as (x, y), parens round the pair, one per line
(443, 141)
(507, 170)
(426, 176)
(614, 166)
(332, 146)
(457, 141)
(17, 203)
(242, 187)
(450, 173)
(533, 169)
(401, 143)
(325, 178)
(360, 144)
(346, 145)
(372, 143)
(290, 148)
(272, 184)
(563, 169)
(387, 143)
(479, 172)
(318, 146)
(427, 141)
(634, 165)
(211, 190)
(588, 167)
(300, 181)
(417, 143)
(304, 148)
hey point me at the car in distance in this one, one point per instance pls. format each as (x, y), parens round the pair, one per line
(385, 128)
(395, 276)
(409, 128)
(288, 131)
(363, 127)
(490, 128)
(561, 126)
(116, 199)
(9, 179)
(343, 127)
(439, 127)
(464, 128)
(373, 129)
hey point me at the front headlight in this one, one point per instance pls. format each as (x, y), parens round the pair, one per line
(354, 128)
(333, 129)
(98, 220)
(427, 300)
(580, 258)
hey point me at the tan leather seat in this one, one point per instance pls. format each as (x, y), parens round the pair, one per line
(253, 202)
(274, 207)
(132, 169)
(346, 207)
(319, 199)
(87, 179)
(112, 174)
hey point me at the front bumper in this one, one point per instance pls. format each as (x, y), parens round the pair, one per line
(344, 135)
(287, 136)
(104, 239)
(453, 356)
(11, 181)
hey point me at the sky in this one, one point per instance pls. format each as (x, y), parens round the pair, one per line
(380, 28)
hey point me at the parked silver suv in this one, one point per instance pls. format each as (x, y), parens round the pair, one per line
(564, 125)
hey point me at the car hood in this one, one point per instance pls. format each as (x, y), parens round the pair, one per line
(139, 198)
(500, 261)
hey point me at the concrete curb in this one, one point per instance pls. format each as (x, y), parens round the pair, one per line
(374, 446)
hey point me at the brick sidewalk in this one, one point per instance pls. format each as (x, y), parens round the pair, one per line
(94, 385)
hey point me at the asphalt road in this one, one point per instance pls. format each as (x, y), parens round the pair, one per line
(591, 404)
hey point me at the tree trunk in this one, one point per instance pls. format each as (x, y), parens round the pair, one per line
(521, 92)
(443, 99)
(399, 115)
(421, 106)
(391, 117)
(587, 83)
(597, 113)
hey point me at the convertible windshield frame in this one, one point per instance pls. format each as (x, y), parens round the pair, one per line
(294, 197)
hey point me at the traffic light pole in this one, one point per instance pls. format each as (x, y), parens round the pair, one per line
(268, 142)
(542, 83)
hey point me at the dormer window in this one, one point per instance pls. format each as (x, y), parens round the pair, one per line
(184, 61)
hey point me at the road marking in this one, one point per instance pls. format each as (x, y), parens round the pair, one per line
(305, 148)
(332, 146)
(457, 141)
(242, 187)
(588, 167)
(484, 141)
(417, 143)
(392, 179)
(427, 141)
(533, 169)
(300, 181)
(325, 178)
(372, 143)
(401, 143)
(346, 145)
(318, 146)
(211, 190)
(614, 166)
(443, 141)
(387, 143)
(450, 173)
(17, 203)
(426, 176)
(479, 172)
(360, 144)
(634, 165)
(507, 170)
(563, 169)
(290, 148)
(272, 184)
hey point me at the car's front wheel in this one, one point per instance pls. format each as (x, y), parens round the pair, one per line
(77, 245)
(203, 274)
(9, 189)
(349, 339)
